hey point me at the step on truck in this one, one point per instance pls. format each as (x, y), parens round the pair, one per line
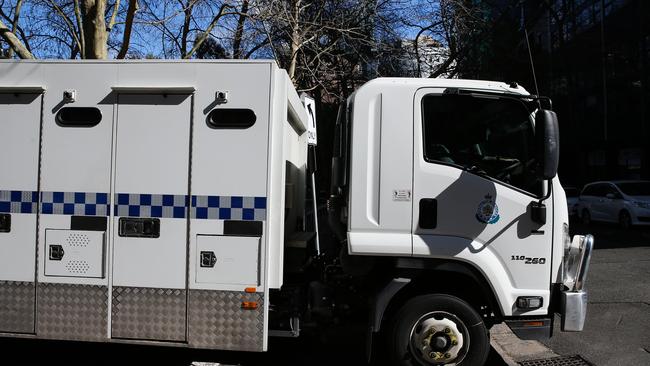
(174, 202)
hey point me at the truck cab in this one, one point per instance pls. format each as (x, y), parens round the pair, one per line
(455, 181)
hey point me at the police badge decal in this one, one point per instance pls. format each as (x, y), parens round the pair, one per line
(488, 211)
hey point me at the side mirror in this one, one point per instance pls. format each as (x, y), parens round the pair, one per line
(547, 141)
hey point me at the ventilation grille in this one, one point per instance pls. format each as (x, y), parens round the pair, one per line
(78, 240)
(77, 266)
(558, 361)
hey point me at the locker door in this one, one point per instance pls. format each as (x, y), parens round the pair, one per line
(151, 217)
(20, 123)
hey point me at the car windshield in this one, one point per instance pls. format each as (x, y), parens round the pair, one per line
(635, 188)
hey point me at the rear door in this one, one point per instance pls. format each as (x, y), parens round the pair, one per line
(151, 216)
(20, 126)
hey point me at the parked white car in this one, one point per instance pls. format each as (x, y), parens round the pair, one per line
(572, 194)
(624, 202)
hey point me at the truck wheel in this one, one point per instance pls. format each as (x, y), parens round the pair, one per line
(437, 330)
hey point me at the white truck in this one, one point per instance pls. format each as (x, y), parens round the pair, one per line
(165, 202)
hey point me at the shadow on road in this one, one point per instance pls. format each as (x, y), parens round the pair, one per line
(608, 236)
(347, 348)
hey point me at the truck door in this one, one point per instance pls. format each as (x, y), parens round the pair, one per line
(19, 146)
(473, 184)
(151, 216)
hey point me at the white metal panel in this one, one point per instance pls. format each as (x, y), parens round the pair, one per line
(19, 148)
(152, 158)
(235, 261)
(83, 253)
(381, 164)
(81, 153)
(276, 181)
(229, 163)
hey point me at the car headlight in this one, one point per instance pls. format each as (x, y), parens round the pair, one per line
(642, 204)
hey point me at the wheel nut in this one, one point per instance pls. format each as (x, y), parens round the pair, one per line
(454, 342)
(447, 355)
(432, 355)
(447, 330)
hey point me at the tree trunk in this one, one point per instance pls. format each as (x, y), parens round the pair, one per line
(295, 41)
(14, 25)
(236, 45)
(94, 29)
(128, 26)
(14, 42)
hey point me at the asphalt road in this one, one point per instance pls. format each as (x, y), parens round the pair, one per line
(617, 331)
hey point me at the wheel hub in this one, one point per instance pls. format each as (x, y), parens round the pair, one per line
(439, 338)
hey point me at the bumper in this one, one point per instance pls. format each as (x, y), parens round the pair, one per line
(574, 310)
(574, 301)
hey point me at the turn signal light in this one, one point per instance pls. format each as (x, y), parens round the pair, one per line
(534, 324)
(250, 290)
(249, 305)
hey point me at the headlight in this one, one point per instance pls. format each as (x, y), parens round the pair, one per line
(642, 204)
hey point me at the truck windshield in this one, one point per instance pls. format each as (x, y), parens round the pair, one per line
(488, 136)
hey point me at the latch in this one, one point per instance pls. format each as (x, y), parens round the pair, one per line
(139, 227)
(5, 223)
(56, 252)
(208, 259)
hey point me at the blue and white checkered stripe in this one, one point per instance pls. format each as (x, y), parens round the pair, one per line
(202, 207)
(25, 202)
(75, 203)
(135, 205)
(228, 208)
(151, 205)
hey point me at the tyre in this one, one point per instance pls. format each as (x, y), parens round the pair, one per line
(586, 217)
(625, 220)
(437, 330)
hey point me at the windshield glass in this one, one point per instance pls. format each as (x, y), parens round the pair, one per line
(492, 137)
(635, 188)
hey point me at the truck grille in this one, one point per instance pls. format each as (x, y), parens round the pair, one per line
(575, 360)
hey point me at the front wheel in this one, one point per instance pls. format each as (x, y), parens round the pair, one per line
(624, 220)
(437, 330)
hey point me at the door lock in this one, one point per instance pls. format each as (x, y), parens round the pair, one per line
(208, 259)
(56, 252)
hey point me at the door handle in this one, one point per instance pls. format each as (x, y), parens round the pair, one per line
(5, 223)
(428, 218)
(139, 227)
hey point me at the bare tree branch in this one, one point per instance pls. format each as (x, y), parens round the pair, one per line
(14, 42)
(128, 26)
(201, 38)
(82, 40)
(111, 22)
